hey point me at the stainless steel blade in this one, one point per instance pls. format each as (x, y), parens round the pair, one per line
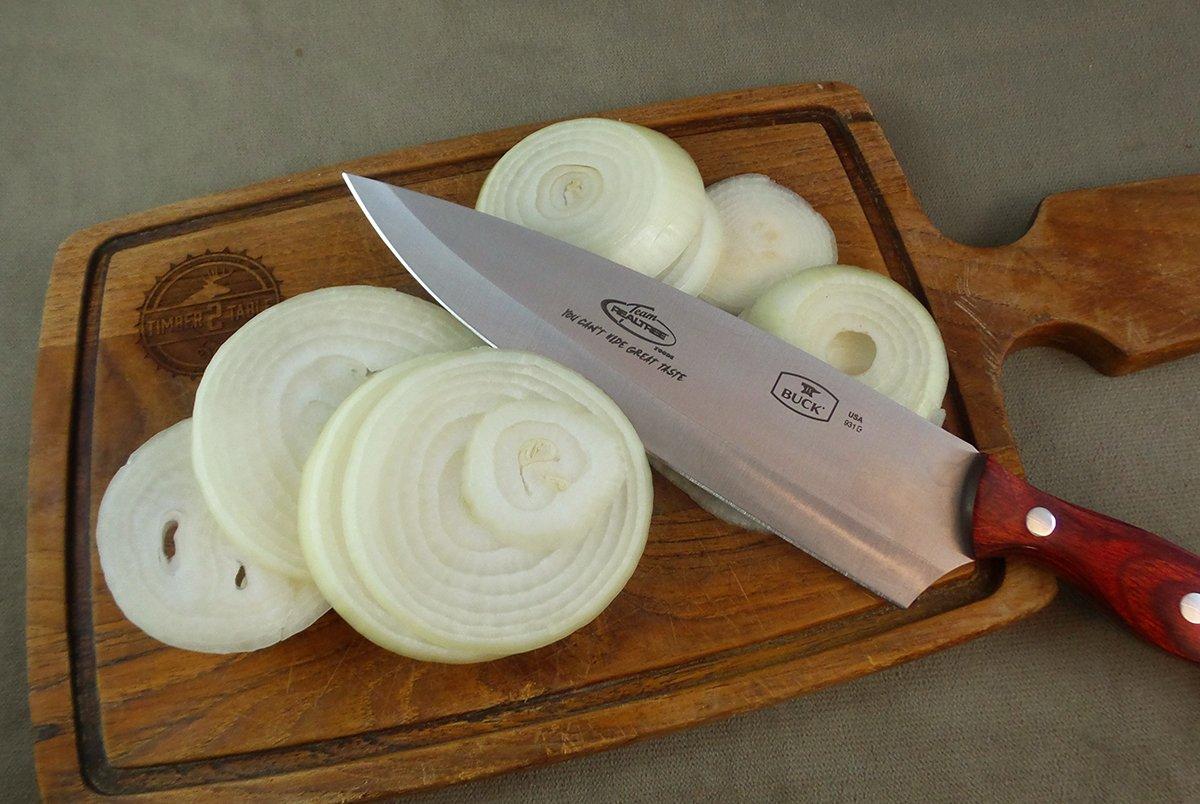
(833, 467)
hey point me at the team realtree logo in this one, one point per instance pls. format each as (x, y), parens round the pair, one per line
(804, 396)
(198, 303)
(639, 320)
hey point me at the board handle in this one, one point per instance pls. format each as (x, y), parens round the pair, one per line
(1113, 273)
(1150, 583)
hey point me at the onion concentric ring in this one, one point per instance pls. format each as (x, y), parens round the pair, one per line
(271, 387)
(770, 233)
(863, 324)
(422, 553)
(171, 570)
(322, 537)
(622, 191)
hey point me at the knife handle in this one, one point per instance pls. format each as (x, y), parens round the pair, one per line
(1150, 583)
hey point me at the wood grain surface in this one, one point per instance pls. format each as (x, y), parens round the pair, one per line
(715, 620)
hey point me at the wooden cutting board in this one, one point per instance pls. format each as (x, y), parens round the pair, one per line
(715, 621)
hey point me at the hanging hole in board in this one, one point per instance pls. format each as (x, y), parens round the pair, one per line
(168, 539)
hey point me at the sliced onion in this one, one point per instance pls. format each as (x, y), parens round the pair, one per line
(270, 388)
(538, 473)
(770, 233)
(863, 324)
(420, 551)
(695, 266)
(622, 191)
(173, 573)
(322, 537)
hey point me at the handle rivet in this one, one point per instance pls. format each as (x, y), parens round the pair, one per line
(1189, 607)
(1040, 522)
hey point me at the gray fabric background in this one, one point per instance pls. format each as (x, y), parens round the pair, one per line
(111, 108)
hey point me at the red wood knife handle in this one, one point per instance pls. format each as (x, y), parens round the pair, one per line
(1151, 584)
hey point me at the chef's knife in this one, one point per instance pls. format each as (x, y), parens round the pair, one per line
(833, 467)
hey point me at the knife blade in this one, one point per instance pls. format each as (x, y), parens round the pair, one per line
(830, 465)
(840, 471)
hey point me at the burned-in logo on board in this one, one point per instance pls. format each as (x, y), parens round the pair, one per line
(198, 303)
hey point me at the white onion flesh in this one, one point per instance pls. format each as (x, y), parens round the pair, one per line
(538, 473)
(619, 190)
(420, 551)
(863, 324)
(770, 233)
(173, 573)
(322, 537)
(691, 272)
(271, 387)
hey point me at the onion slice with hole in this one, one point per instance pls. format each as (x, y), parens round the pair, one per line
(420, 550)
(619, 190)
(770, 233)
(271, 387)
(695, 266)
(863, 324)
(173, 573)
(322, 537)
